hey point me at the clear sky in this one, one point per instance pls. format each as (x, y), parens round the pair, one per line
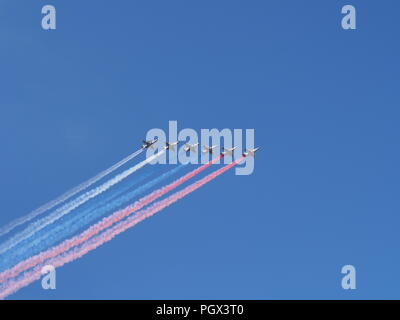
(324, 103)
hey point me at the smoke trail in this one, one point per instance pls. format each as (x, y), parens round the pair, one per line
(51, 204)
(46, 238)
(14, 285)
(101, 225)
(68, 207)
(20, 251)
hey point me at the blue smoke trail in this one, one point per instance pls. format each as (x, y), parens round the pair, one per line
(42, 241)
(89, 206)
(73, 204)
(12, 225)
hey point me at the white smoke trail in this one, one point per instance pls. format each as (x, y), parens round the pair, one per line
(60, 255)
(51, 204)
(69, 206)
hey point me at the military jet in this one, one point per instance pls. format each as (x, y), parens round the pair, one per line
(251, 152)
(149, 143)
(190, 147)
(228, 151)
(170, 145)
(207, 149)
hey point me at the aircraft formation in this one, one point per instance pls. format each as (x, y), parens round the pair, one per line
(193, 147)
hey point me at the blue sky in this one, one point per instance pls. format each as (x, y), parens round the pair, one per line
(324, 105)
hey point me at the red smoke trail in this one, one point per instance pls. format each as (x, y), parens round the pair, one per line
(101, 225)
(14, 285)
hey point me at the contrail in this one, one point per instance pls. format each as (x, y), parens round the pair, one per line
(58, 261)
(46, 238)
(51, 204)
(68, 207)
(62, 230)
(101, 225)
